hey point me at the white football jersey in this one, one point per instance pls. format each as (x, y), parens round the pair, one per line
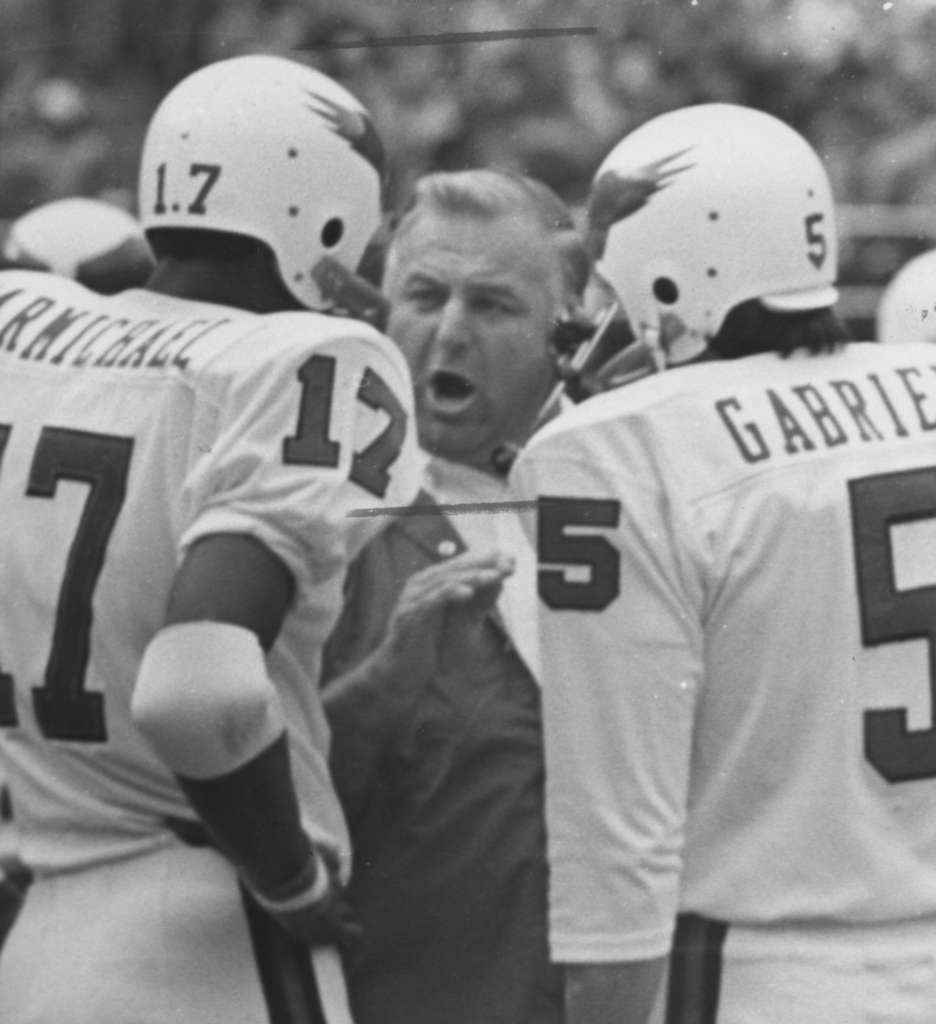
(738, 626)
(130, 427)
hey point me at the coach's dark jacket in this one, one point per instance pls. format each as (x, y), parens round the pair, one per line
(447, 830)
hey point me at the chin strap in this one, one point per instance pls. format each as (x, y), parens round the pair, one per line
(349, 294)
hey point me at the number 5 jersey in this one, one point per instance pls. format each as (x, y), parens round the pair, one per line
(738, 600)
(130, 427)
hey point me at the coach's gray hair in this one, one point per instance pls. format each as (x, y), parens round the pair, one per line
(488, 193)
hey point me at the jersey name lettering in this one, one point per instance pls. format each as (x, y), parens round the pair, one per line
(825, 414)
(43, 329)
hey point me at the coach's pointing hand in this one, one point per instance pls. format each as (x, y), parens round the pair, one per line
(437, 614)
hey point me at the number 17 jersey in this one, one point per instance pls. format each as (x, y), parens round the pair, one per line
(130, 427)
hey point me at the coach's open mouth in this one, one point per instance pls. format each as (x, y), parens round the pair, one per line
(450, 391)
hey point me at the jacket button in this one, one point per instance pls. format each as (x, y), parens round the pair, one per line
(447, 548)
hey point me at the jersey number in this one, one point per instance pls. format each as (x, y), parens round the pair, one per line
(596, 555)
(311, 445)
(209, 173)
(888, 615)
(879, 502)
(64, 709)
(816, 245)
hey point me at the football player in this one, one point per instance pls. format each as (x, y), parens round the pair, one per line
(105, 249)
(178, 467)
(738, 596)
(96, 243)
(907, 307)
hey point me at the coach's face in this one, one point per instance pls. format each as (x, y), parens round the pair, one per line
(472, 304)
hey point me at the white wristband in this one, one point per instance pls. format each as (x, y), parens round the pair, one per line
(307, 897)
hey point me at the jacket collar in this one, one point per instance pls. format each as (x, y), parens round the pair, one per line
(427, 526)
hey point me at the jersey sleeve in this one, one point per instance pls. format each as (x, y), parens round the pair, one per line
(307, 451)
(622, 662)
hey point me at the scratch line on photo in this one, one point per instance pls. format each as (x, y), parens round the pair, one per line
(448, 38)
(456, 509)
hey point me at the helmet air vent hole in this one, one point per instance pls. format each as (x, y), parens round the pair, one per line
(712, 272)
(293, 153)
(665, 290)
(332, 232)
(713, 215)
(294, 211)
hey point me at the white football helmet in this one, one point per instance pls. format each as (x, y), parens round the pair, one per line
(706, 207)
(269, 148)
(907, 307)
(90, 240)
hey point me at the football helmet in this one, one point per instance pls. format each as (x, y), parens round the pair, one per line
(907, 307)
(269, 148)
(96, 243)
(706, 207)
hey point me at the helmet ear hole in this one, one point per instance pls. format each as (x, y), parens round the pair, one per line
(332, 232)
(665, 290)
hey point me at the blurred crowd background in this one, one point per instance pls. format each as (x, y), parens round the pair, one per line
(79, 78)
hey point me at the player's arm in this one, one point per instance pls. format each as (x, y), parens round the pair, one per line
(615, 993)
(622, 658)
(270, 521)
(204, 702)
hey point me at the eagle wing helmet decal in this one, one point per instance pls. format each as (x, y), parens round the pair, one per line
(353, 125)
(616, 196)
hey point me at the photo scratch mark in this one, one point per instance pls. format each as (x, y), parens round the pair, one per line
(457, 509)
(449, 38)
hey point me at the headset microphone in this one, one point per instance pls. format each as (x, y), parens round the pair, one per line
(577, 360)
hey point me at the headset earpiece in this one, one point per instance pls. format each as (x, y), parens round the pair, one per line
(571, 329)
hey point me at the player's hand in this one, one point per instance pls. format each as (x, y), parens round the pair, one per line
(324, 919)
(438, 614)
(328, 922)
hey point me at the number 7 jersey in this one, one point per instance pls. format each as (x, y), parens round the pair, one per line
(738, 601)
(130, 427)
